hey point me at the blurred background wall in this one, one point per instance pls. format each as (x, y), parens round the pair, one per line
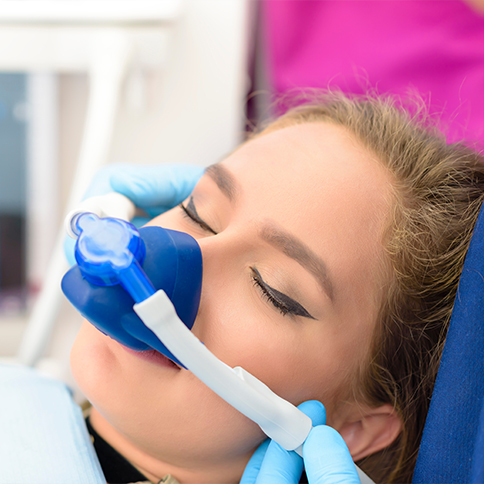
(191, 108)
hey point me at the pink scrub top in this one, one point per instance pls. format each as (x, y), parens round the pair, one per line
(434, 48)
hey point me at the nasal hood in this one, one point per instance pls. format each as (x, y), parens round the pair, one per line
(172, 262)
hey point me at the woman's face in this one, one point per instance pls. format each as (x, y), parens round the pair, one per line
(290, 227)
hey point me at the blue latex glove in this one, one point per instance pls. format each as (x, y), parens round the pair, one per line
(326, 458)
(153, 188)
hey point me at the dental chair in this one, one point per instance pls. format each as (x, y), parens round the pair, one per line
(452, 447)
(49, 443)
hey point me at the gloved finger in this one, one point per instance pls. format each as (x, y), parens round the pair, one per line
(280, 466)
(327, 458)
(277, 465)
(253, 466)
(140, 221)
(285, 467)
(101, 181)
(315, 410)
(157, 185)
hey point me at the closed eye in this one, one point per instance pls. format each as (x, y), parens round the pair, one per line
(279, 300)
(191, 213)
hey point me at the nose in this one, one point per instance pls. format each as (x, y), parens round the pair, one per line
(225, 253)
(224, 257)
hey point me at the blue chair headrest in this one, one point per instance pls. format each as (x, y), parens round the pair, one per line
(452, 447)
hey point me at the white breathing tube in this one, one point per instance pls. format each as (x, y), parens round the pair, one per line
(279, 420)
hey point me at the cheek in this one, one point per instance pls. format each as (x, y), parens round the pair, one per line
(307, 367)
(91, 361)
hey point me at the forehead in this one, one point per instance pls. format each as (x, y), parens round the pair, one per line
(313, 163)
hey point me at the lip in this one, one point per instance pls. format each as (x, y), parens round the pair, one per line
(153, 356)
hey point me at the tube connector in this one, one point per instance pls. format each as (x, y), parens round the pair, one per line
(112, 205)
(110, 251)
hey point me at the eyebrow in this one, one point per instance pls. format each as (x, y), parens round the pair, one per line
(301, 253)
(224, 180)
(280, 239)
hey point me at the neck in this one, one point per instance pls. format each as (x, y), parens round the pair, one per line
(155, 469)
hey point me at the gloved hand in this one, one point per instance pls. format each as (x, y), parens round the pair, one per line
(326, 458)
(153, 188)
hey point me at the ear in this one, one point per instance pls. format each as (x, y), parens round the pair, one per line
(376, 429)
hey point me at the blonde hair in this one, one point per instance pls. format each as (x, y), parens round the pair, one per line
(439, 191)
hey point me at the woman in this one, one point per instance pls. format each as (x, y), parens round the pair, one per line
(332, 244)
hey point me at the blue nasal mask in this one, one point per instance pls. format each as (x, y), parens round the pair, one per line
(118, 266)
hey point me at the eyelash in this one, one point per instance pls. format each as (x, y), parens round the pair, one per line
(193, 218)
(262, 288)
